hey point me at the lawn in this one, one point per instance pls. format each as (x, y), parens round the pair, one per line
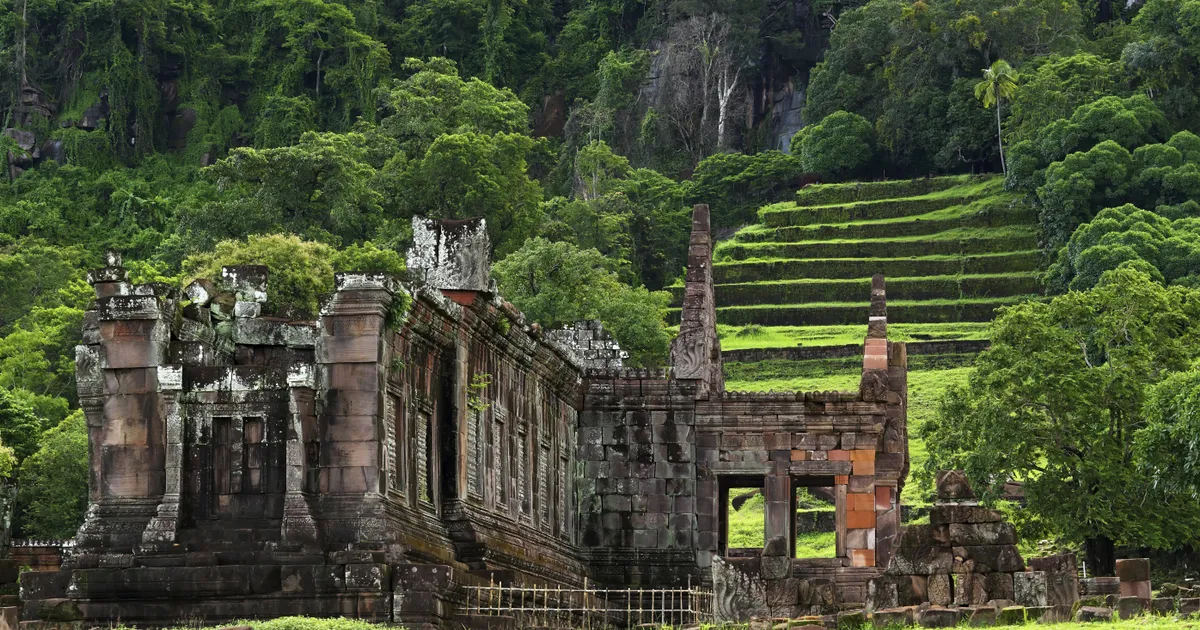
(752, 336)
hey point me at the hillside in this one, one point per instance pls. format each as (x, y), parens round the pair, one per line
(792, 289)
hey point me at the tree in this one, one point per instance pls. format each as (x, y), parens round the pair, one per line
(320, 187)
(20, 427)
(470, 174)
(301, 272)
(558, 284)
(52, 493)
(999, 83)
(839, 147)
(1056, 403)
(1169, 249)
(705, 68)
(1056, 88)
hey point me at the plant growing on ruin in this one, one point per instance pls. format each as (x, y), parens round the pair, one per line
(476, 392)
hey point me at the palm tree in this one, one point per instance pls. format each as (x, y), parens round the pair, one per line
(999, 82)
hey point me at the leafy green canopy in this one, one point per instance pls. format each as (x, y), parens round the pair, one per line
(53, 482)
(840, 147)
(301, 272)
(557, 284)
(1058, 401)
(897, 63)
(1165, 177)
(1168, 250)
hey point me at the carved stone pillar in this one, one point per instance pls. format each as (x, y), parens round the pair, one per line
(298, 527)
(162, 528)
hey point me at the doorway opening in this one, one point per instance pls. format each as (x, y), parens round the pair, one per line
(742, 522)
(814, 517)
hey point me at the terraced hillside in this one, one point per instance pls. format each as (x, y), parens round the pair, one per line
(792, 290)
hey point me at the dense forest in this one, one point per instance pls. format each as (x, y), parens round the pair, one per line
(308, 133)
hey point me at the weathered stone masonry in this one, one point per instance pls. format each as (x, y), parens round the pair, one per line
(417, 439)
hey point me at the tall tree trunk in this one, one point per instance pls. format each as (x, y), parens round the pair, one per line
(1000, 140)
(1101, 556)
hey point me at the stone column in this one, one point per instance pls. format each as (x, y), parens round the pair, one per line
(162, 528)
(298, 527)
(352, 350)
(128, 447)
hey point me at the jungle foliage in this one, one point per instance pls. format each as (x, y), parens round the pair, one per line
(308, 133)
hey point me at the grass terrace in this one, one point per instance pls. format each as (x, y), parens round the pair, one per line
(953, 250)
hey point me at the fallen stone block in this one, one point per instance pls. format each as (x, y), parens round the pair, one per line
(851, 619)
(893, 617)
(1189, 605)
(1051, 614)
(938, 618)
(1011, 616)
(1093, 614)
(58, 610)
(1162, 605)
(1130, 607)
(982, 616)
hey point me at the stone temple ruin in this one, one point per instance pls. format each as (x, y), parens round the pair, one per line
(419, 439)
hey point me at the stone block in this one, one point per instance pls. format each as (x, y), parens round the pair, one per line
(44, 584)
(58, 609)
(1129, 607)
(1133, 569)
(1187, 605)
(947, 514)
(1162, 605)
(1135, 589)
(893, 617)
(928, 560)
(882, 593)
(1011, 616)
(982, 534)
(818, 593)
(1101, 586)
(938, 590)
(1030, 588)
(851, 620)
(781, 593)
(862, 557)
(982, 616)
(987, 559)
(776, 567)
(1093, 614)
(938, 618)
(367, 577)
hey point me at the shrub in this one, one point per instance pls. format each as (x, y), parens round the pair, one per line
(840, 146)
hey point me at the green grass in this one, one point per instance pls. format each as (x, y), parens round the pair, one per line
(757, 269)
(739, 338)
(746, 530)
(816, 545)
(747, 525)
